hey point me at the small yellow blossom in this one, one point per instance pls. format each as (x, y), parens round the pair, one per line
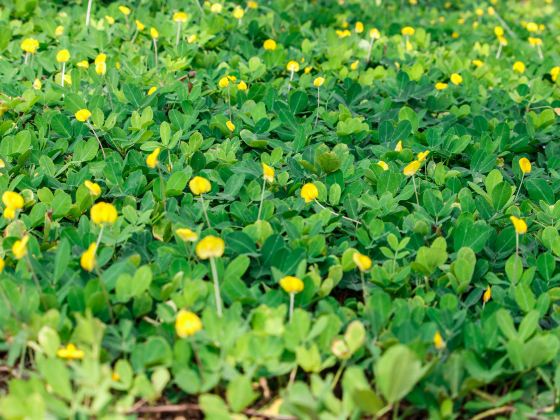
(59, 30)
(438, 341)
(422, 156)
(216, 8)
(399, 146)
(139, 25)
(93, 188)
(318, 82)
(242, 86)
(37, 85)
(291, 284)
(103, 213)
(519, 67)
(292, 66)
(456, 79)
(199, 185)
(411, 168)
(408, 31)
(124, 10)
(230, 126)
(70, 352)
(269, 45)
(82, 115)
(268, 173)
(383, 165)
(363, 262)
(238, 13)
(309, 192)
(84, 64)
(441, 86)
(30, 45)
(152, 159)
(87, 259)
(63, 56)
(187, 323)
(154, 33)
(180, 17)
(525, 165)
(519, 225)
(152, 90)
(359, 27)
(487, 295)
(186, 235)
(210, 247)
(19, 248)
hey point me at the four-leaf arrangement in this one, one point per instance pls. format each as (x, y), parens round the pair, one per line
(278, 209)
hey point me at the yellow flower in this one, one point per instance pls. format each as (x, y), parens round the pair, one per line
(83, 115)
(499, 31)
(535, 41)
(487, 294)
(422, 156)
(2, 264)
(478, 63)
(343, 33)
(70, 352)
(192, 38)
(216, 8)
(180, 17)
(491, 11)
(186, 235)
(152, 90)
(242, 86)
(411, 168)
(554, 73)
(502, 40)
(210, 247)
(252, 4)
(525, 165)
(291, 284)
(532, 27)
(139, 25)
(268, 173)
(154, 33)
(479, 12)
(438, 341)
(93, 188)
(363, 262)
(30, 45)
(455, 35)
(101, 58)
(87, 260)
(292, 66)
(359, 27)
(187, 323)
(223, 82)
(199, 185)
(519, 67)
(519, 225)
(238, 13)
(84, 64)
(307, 69)
(309, 192)
(230, 126)
(37, 84)
(398, 147)
(110, 20)
(318, 82)
(13, 200)
(374, 33)
(63, 56)
(59, 31)
(9, 213)
(124, 10)
(354, 65)
(115, 377)
(383, 165)
(19, 248)
(456, 79)
(152, 159)
(101, 68)
(441, 86)
(269, 45)
(103, 213)
(408, 31)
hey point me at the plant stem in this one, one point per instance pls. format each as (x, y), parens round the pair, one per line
(364, 290)
(217, 295)
(292, 300)
(178, 34)
(318, 105)
(62, 74)
(415, 190)
(97, 137)
(204, 211)
(369, 50)
(290, 82)
(262, 199)
(88, 12)
(162, 186)
(338, 374)
(519, 188)
(336, 214)
(155, 52)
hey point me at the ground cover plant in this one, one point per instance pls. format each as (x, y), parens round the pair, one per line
(278, 209)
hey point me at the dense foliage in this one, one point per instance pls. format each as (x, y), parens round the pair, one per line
(283, 209)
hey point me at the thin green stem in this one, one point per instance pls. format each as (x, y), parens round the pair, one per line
(262, 199)
(415, 190)
(204, 211)
(519, 188)
(292, 301)
(97, 137)
(217, 295)
(162, 186)
(337, 214)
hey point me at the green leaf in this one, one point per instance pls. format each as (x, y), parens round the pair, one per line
(176, 183)
(239, 393)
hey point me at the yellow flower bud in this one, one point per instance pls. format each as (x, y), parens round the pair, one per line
(70, 352)
(180, 17)
(30, 45)
(152, 159)
(230, 126)
(411, 168)
(519, 67)
(63, 56)
(519, 225)
(441, 86)
(359, 27)
(154, 33)
(186, 235)
(84, 64)
(318, 82)
(242, 86)
(82, 115)
(93, 188)
(152, 90)
(399, 146)
(525, 165)
(13, 200)
(19, 248)
(199, 185)
(210, 247)
(223, 82)
(124, 10)
(238, 13)
(291, 284)
(87, 260)
(103, 213)
(422, 156)
(139, 25)
(408, 31)
(268, 173)
(487, 294)
(456, 79)
(59, 31)
(309, 192)
(269, 45)
(292, 66)
(187, 323)
(363, 262)
(383, 165)
(438, 341)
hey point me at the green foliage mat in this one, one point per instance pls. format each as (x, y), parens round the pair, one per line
(368, 188)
